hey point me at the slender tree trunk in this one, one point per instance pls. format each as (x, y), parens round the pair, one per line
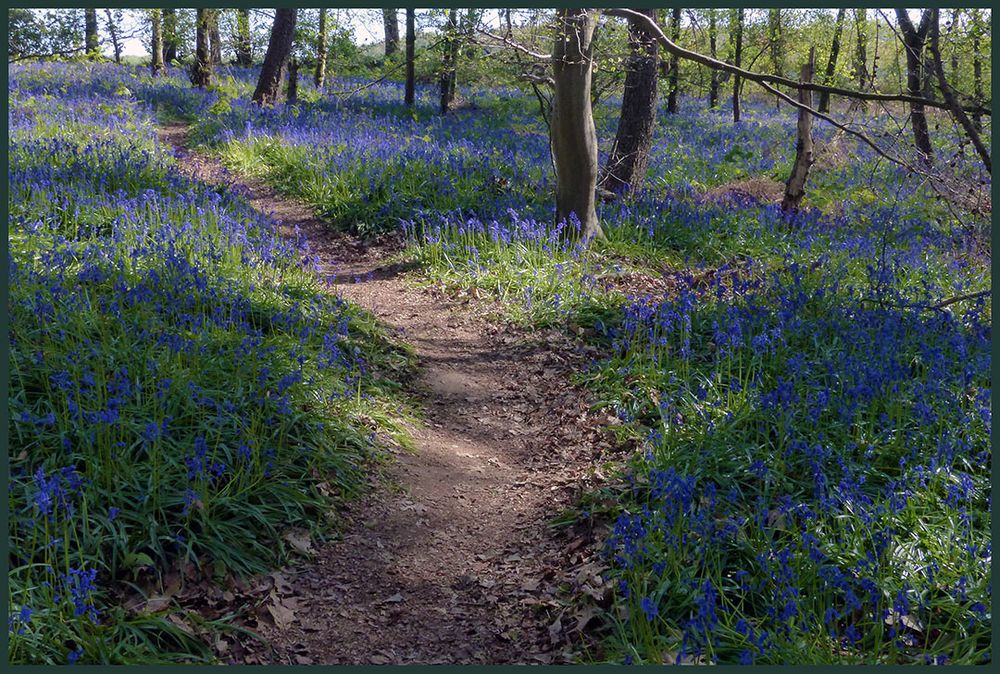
(116, 43)
(201, 71)
(713, 34)
(448, 66)
(795, 188)
(157, 45)
(215, 39)
(955, 16)
(278, 49)
(949, 94)
(776, 45)
(292, 93)
(626, 167)
(913, 41)
(675, 62)
(411, 39)
(319, 77)
(169, 35)
(737, 60)
(861, 50)
(244, 44)
(977, 69)
(574, 138)
(831, 64)
(91, 39)
(390, 22)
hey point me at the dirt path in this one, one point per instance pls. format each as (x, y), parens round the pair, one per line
(453, 561)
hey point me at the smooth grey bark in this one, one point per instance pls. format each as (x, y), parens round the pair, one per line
(113, 34)
(411, 40)
(278, 49)
(949, 94)
(675, 62)
(201, 70)
(390, 22)
(795, 188)
(156, 62)
(831, 64)
(913, 41)
(574, 138)
(319, 75)
(626, 167)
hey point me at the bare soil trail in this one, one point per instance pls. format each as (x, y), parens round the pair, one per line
(452, 561)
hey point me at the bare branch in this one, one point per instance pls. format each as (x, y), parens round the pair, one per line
(773, 79)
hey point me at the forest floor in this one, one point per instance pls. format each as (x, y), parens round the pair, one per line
(452, 558)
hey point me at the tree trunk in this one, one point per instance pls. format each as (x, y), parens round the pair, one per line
(292, 93)
(913, 41)
(319, 77)
(215, 39)
(713, 34)
(955, 15)
(861, 51)
(390, 22)
(977, 69)
(278, 49)
(626, 167)
(201, 71)
(91, 39)
(411, 39)
(574, 138)
(795, 188)
(244, 43)
(157, 45)
(831, 64)
(949, 94)
(116, 43)
(776, 45)
(169, 35)
(675, 24)
(448, 65)
(737, 60)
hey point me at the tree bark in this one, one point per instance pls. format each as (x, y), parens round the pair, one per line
(795, 188)
(861, 50)
(116, 43)
(169, 35)
(215, 39)
(156, 63)
(411, 39)
(574, 138)
(91, 40)
(319, 76)
(448, 66)
(713, 34)
(292, 93)
(278, 49)
(737, 60)
(949, 94)
(390, 22)
(244, 44)
(201, 70)
(626, 167)
(831, 64)
(913, 41)
(977, 69)
(776, 45)
(675, 62)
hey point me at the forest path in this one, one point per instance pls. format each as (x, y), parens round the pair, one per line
(454, 560)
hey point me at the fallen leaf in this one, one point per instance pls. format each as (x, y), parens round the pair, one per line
(394, 599)
(283, 616)
(299, 539)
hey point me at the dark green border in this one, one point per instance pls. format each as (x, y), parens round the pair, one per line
(4, 362)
